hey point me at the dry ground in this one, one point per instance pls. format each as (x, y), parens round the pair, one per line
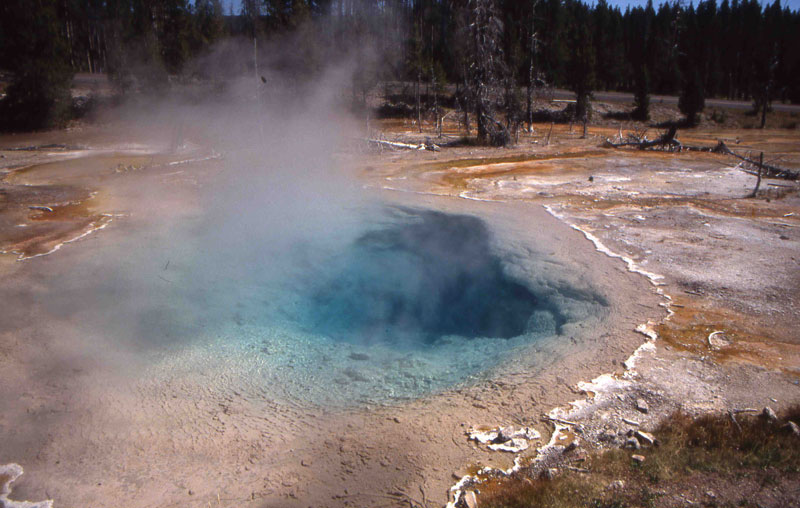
(730, 263)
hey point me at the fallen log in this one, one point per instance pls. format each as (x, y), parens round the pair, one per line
(666, 139)
(769, 170)
(404, 146)
(33, 148)
(558, 420)
(669, 141)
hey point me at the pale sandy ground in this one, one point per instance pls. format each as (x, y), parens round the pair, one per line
(91, 432)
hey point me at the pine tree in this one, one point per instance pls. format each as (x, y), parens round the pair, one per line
(35, 52)
(692, 99)
(641, 96)
(581, 65)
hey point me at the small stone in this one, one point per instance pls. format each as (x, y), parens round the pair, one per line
(470, 499)
(549, 473)
(769, 414)
(641, 405)
(638, 458)
(573, 445)
(191, 492)
(607, 436)
(504, 434)
(396, 419)
(711, 494)
(305, 463)
(792, 429)
(631, 422)
(616, 485)
(632, 443)
(645, 437)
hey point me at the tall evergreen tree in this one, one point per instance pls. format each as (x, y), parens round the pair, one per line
(641, 96)
(35, 51)
(692, 97)
(581, 63)
(737, 48)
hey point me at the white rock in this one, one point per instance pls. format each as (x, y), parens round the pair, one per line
(514, 446)
(470, 499)
(632, 443)
(645, 437)
(483, 435)
(505, 439)
(549, 473)
(792, 428)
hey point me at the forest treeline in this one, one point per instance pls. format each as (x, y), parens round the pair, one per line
(734, 49)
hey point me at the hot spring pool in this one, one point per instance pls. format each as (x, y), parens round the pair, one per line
(419, 282)
(386, 302)
(409, 302)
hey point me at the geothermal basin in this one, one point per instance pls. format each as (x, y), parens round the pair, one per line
(293, 352)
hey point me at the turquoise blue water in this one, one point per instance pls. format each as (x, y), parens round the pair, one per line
(381, 304)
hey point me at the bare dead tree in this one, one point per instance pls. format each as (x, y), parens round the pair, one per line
(768, 170)
(639, 140)
(760, 169)
(251, 9)
(463, 102)
(436, 111)
(585, 121)
(513, 108)
(668, 141)
(763, 97)
(532, 60)
(418, 90)
(486, 69)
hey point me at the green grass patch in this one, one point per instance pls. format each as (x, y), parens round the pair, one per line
(713, 446)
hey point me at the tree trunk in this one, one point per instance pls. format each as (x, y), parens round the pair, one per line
(255, 53)
(479, 117)
(419, 105)
(760, 169)
(530, 68)
(436, 105)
